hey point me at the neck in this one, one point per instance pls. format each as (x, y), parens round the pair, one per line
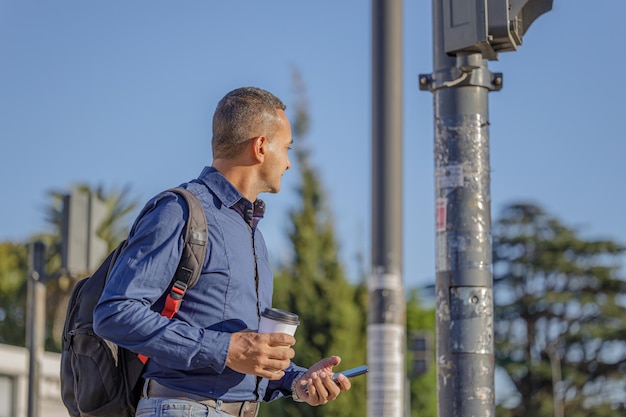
(240, 176)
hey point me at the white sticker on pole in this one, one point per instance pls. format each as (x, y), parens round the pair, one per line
(450, 176)
(382, 281)
(441, 253)
(385, 379)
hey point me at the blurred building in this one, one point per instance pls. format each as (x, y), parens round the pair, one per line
(14, 384)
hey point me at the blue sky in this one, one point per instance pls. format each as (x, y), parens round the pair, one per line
(122, 93)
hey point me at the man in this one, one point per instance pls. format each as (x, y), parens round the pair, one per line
(209, 358)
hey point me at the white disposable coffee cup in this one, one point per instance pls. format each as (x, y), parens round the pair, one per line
(274, 320)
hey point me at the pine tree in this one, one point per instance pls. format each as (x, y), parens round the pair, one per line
(560, 317)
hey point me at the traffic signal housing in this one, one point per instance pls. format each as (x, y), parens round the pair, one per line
(82, 249)
(488, 26)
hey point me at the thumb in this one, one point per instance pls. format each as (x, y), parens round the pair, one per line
(328, 362)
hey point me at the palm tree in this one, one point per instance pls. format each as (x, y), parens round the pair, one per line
(112, 229)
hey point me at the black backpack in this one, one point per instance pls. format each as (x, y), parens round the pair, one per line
(99, 378)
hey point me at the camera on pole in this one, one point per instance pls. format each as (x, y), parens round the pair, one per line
(488, 26)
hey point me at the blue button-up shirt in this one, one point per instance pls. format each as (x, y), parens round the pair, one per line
(189, 352)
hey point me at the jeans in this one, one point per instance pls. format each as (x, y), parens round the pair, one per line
(166, 407)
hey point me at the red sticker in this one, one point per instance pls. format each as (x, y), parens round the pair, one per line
(440, 213)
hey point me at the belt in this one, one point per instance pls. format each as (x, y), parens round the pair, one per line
(240, 409)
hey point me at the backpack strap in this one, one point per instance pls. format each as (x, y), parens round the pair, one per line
(194, 251)
(192, 259)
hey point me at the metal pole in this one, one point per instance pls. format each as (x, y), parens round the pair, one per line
(386, 317)
(464, 283)
(36, 324)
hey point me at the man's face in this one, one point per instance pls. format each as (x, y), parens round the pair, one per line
(277, 159)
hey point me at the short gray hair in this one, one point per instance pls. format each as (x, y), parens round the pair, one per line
(241, 115)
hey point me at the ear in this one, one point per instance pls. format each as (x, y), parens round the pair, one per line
(260, 148)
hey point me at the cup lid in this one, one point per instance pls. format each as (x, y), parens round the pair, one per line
(281, 316)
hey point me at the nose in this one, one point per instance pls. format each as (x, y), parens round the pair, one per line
(288, 164)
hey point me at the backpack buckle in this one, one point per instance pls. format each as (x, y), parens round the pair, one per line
(178, 290)
(173, 299)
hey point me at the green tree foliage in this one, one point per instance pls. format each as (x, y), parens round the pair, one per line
(313, 285)
(14, 266)
(14, 274)
(13, 270)
(560, 309)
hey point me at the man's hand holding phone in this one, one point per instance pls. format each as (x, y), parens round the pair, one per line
(320, 385)
(317, 386)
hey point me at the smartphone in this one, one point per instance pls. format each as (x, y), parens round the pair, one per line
(359, 370)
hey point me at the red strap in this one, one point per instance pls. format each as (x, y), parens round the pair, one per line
(172, 304)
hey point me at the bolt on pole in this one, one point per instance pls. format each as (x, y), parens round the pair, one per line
(386, 344)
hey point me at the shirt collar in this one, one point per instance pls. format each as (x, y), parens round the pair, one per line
(252, 214)
(231, 197)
